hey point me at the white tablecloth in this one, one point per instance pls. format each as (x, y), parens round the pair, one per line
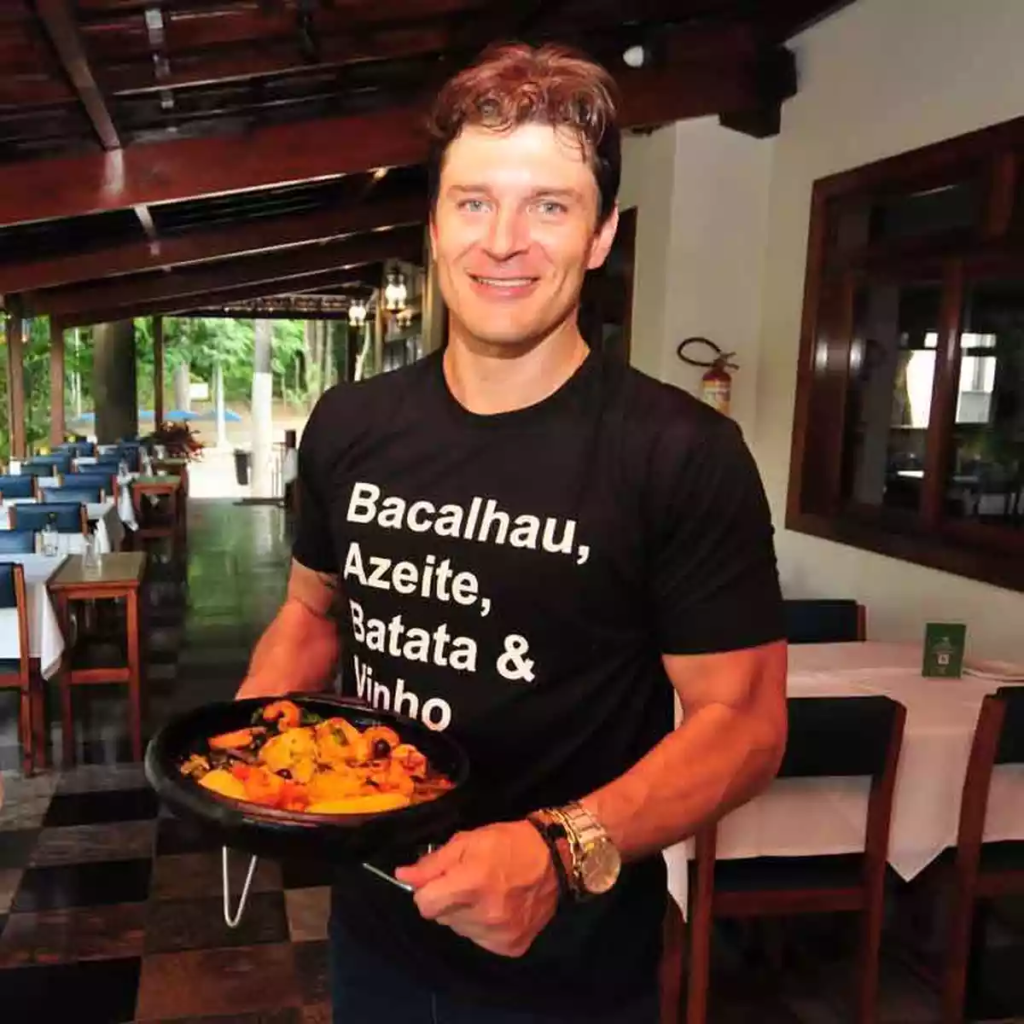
(45, 640)
(806, 817)
(107, 526)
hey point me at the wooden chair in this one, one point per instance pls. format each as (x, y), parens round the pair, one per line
(825, 621)
(828, 737)
(982, 871)
(17, 542)
(15, 673)
(68, 517)
(18, 486)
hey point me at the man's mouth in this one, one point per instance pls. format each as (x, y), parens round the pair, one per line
(504, 282)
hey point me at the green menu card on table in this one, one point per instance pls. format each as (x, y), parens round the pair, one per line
(944, 644)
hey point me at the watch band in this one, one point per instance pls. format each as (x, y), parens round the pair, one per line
(551, 831)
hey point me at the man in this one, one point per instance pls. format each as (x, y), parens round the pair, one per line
(533, 546)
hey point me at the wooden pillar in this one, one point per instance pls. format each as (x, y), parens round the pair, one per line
(57, 425)
(158, 371)
(15, 378)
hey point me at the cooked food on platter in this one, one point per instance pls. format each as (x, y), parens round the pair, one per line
(293, 760)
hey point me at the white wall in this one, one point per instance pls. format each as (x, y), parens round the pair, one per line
(877, 79)
(722, 245)
(702, 198)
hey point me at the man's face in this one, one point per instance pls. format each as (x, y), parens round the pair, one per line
(515, 231)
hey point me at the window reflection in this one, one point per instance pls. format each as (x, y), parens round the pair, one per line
(892, 375)
(985, 481)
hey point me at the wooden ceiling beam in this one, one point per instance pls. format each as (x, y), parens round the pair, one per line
(179, 306)
(718, 75)
(62, 29)
(373, 247)
(245, 238)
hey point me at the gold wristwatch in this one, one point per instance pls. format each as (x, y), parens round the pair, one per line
(596, 861)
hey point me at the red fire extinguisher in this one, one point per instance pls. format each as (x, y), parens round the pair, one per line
(716, 383)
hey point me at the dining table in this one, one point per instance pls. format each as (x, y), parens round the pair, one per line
(45, 636)
(802, 817)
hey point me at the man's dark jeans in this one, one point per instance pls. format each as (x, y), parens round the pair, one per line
(368, 990)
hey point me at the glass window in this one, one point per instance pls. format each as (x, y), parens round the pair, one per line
(985, 480)
(889, 398)
(927, 212)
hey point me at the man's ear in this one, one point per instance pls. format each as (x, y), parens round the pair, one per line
(603, 239)
(432, 230)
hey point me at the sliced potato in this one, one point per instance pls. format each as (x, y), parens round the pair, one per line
(220, 780)
(373, 804)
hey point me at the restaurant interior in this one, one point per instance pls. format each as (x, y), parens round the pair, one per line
(822, 233)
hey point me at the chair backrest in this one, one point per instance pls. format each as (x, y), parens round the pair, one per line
(89, 478)
(839, 736)
(12, 595)
(824, 621)
(8, 591)
(17, 542)
(78, 449)
(17, 486)
(998, 739)
(1011, 737)
(60, 462)
(38, 469)
(80, 494)
(69, 517)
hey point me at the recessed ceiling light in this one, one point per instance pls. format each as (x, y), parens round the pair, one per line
(635, 56)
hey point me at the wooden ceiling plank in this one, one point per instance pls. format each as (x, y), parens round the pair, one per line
(59, 22)
(194, 247)
(177, 304)
(365, 248)
(287, 153)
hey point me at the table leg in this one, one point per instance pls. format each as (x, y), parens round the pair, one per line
(64, 681)
(40, 720)
(134, 680)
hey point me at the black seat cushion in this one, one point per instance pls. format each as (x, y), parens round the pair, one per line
(755, 874)
(9, 666)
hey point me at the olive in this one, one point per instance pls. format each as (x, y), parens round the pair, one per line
(285, 774)
(381, 749)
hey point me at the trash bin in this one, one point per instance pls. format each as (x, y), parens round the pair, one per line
(243, 462)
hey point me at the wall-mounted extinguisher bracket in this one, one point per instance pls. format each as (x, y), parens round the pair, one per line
(716, 384)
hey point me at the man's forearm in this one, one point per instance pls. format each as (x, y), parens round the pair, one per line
(715, 761)
(299, 651)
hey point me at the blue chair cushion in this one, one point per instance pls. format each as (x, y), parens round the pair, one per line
(34, 517)
(17, 486)
(9, 666)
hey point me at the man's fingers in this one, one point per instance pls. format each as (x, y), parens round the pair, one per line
(432, 865)
(447, 895)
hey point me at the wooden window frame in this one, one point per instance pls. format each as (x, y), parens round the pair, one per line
(815, 505)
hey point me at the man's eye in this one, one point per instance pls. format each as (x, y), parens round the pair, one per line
(550, 208)
(472, 205)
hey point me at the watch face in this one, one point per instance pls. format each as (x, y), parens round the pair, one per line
(601, 867)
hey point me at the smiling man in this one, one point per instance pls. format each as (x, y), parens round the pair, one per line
(538, 549)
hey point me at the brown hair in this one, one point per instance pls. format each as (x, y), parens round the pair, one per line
(515, 84)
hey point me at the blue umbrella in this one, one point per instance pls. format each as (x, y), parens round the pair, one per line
(229, 416)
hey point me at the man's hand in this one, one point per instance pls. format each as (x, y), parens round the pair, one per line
(495, 886)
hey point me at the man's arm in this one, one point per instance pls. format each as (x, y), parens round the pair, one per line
(726, 751)
(299, 650)
(497, 885)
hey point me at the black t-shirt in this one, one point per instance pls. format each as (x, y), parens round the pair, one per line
(516, 578)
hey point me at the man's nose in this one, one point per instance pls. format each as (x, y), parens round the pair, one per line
(508, 234)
